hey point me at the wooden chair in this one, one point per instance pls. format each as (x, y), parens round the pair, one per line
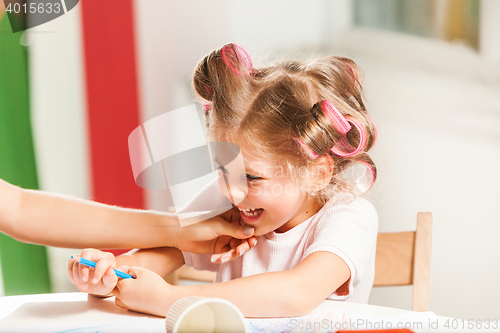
(404, 258)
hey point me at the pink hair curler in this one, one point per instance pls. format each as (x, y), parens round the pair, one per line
(344, 149)
(237, 59)
(339, 121)
(343, 125)
(306, 148)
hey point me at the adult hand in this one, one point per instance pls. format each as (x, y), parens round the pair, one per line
(222, 235)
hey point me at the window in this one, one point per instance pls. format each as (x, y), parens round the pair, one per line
(456, 21)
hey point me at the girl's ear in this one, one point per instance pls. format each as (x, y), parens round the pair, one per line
(322, 172)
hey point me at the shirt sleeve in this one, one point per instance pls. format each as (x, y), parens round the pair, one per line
(349, 231)
(200, 262)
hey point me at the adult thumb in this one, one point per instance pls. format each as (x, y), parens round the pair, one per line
(235, 230)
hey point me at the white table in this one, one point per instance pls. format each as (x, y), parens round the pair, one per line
(79, 307)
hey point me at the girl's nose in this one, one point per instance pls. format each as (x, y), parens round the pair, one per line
(234, 189)
(238, 193)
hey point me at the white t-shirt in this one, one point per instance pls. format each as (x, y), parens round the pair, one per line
(346, 227)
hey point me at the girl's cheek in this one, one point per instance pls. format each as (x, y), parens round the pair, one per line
(254, 189)
(290, 190)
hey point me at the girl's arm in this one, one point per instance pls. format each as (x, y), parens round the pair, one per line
(162, 261)
(277, 294)
(56, 220)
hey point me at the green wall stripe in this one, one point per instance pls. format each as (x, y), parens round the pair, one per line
(24, 266)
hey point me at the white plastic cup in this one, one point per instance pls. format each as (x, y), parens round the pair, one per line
(202, 314)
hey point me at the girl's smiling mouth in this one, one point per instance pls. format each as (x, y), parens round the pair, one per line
(250, 214)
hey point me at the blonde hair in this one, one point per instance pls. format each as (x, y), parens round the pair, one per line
(270, 108)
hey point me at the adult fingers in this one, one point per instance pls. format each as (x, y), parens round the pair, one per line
(234, 230)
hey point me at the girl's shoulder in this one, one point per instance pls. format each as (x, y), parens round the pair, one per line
(348, 208)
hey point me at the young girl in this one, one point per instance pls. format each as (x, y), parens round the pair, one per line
(301, 127)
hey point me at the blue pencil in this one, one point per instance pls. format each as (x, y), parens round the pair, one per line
(92, 264)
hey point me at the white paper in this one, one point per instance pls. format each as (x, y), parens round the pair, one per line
(134, 325)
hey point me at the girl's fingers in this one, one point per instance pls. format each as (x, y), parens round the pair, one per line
(71, 263)
(81, 285)
(109, 279)
(99, 280)
(119, 303)
(90, 254)
(238, 248)
(225, 257)
(242, 248)
(83, 272)
(234, 243)
(116, 292)
(125, 269)
(252, 241)
(103, 264)
(215, 257)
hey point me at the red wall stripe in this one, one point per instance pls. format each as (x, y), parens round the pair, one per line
(112, 99)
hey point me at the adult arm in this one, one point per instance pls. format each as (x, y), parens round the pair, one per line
(50, 219)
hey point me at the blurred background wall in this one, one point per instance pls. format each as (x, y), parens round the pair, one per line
(432, 82)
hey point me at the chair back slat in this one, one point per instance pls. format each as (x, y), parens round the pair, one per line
(422, 265)
(404, 258)
(394, 259)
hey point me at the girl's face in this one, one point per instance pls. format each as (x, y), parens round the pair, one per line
(273, 201)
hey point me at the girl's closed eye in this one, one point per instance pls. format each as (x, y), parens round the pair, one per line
(252, 178)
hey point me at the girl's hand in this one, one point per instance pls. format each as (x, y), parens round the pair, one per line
(229, 248)
(98, 281)
(147, 292)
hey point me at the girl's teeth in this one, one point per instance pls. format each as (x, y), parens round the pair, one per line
(251, 212)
